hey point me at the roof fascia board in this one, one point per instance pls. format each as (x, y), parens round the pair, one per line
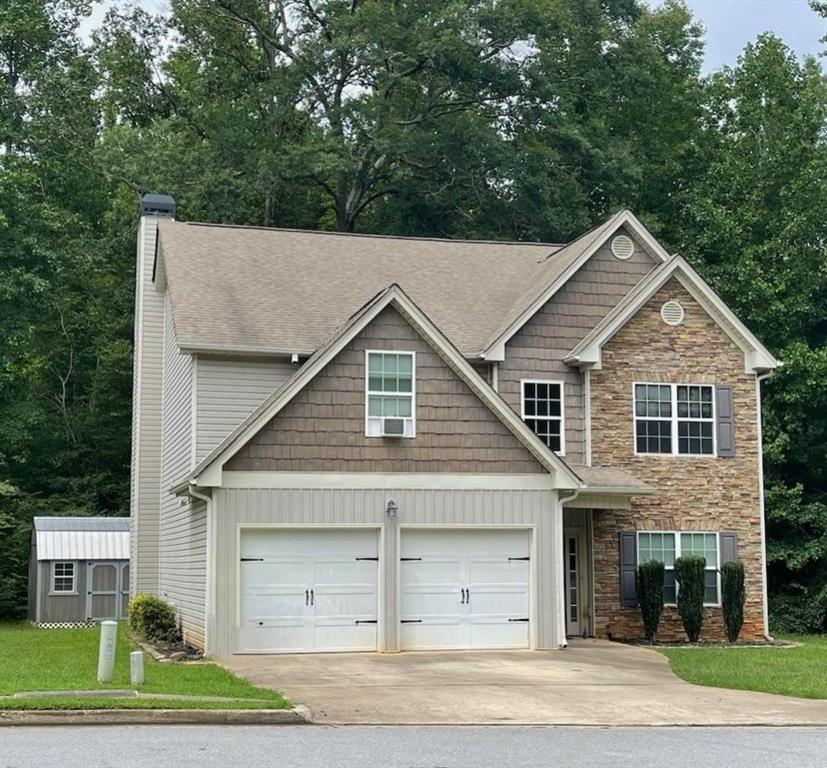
(496, 348)
(756, 356)
(209, 471)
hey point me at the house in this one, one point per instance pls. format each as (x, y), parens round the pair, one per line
(356, 442)
(78, 570)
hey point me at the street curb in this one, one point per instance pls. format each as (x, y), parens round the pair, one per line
(295, 716)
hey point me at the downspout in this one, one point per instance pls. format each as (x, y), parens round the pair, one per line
(208, 576)
(561, 572)
(759, 420)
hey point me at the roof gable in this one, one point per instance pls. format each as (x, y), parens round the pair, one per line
(208, 472)
(757, 357)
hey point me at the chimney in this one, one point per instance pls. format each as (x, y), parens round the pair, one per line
(148, 354)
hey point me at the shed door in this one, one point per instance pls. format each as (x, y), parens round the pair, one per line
(309, 590)
(102, 590)
(464, 589)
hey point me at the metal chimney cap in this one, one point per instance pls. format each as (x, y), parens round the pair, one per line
(157, 205)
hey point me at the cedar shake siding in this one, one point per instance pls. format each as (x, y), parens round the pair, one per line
(537, 350)
(694, 493)
(323, 428)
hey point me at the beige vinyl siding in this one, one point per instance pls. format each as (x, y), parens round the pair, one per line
(145, 482)
(228, 390)
(537, 350)
(183, 523)
(234, 508)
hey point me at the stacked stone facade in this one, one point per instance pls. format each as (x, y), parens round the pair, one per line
(694, 493)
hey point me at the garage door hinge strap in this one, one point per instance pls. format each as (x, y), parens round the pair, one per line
(252, 559)
(407, 559)
(512, 620)
(368, 558)
(411, 621)
(519, 558)
(365, 621)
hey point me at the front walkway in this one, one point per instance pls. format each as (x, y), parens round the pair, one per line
(592, 682)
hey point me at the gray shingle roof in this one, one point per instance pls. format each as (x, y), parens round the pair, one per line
(246, 288)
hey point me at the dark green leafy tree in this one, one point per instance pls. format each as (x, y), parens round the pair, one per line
(649, 586)
(689, 574)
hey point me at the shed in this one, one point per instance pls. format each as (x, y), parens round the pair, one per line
(78, 570)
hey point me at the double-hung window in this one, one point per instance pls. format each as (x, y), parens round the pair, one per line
(63, 577)
(542, 411)
(668, 546)
(390, 393)
(675, 418)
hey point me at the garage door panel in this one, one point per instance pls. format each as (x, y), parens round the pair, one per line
(344, 571)
(498, 635)
(435, 634)
(331, 637)
(497, 571)
(269, 602)
(285, 572)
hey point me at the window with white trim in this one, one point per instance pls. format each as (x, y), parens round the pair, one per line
(390, 392)
(675, 418)
(668, 546)
(63, 577)
(542, 411)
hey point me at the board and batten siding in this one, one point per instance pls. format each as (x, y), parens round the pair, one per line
(183, 529)
(233, 509)
(65, 606)
(229, 390)
(537, 350)
(145, 476)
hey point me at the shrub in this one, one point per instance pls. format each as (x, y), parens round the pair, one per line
(649, 584)
(152, 619)
(689, 573)
(733, 596)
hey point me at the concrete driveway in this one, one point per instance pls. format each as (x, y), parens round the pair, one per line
(592, 682)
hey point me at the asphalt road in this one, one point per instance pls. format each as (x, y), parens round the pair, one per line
(409, 747)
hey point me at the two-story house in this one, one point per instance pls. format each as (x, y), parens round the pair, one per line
(355, 442)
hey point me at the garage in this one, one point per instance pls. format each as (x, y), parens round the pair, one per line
(464, 589)
(309, 590)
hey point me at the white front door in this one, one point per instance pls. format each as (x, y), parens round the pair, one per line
(574, 591)
(309, 590)
(464, 588)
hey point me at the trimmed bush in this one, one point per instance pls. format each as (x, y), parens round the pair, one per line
(152, 619)
(689, 573)
(733, 596)
(649, 585)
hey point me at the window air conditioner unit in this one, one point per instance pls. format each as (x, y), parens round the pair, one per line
(393, 427)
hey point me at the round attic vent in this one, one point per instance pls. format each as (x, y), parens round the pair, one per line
(672, 313)
(623, 247)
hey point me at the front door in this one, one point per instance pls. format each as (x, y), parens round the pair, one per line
(573, 557)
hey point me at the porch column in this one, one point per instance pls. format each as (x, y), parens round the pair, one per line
(558, 575)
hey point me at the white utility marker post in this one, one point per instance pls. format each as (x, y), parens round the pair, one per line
(106, 653)
(136, 667)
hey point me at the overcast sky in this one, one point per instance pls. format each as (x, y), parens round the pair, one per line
(730, 24)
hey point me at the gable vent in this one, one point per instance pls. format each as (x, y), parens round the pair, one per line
(672, 313)
(623, 247)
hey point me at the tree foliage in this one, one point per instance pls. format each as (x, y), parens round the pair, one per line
(514, 119)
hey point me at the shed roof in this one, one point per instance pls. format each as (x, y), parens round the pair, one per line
(82, 538)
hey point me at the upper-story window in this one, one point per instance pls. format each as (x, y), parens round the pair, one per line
(63, 577)
(542, 410)
(390, 394)
(675, 418)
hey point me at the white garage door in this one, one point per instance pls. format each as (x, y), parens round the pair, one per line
(308, 590)
(465, 589)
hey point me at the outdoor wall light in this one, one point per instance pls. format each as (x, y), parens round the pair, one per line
(391, 509)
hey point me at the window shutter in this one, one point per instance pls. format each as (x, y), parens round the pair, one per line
(628, 567)
(725, 425)
(729, 547)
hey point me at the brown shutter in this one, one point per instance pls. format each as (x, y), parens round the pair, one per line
(628, 567)
(725, 426)
(729, 547)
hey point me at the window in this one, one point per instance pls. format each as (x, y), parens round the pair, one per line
(675, 419)
(668, 546)
(390, 391)
(63, 577)
(542, 410)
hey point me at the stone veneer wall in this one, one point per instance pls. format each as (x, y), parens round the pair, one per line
(694, 493)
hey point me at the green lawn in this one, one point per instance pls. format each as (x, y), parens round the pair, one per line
(67, 659)
(800, 671)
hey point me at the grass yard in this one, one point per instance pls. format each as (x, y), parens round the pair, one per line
(800, 671)
(67, 659)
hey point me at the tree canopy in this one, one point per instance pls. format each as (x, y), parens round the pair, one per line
(517, 119)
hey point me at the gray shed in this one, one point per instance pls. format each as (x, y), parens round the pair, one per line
(78, 570)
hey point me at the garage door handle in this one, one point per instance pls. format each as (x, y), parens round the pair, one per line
(312, 597)
(462, 602)
(307, 597)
